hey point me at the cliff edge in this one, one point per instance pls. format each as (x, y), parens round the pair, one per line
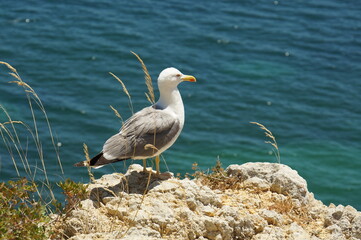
(251, 201)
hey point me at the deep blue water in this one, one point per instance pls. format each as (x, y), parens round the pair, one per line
(293, 66)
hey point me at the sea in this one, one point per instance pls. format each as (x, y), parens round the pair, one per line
(293, 66)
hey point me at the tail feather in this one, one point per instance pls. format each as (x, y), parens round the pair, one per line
(97, 161)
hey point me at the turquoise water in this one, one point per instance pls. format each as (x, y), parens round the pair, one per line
(293, 66)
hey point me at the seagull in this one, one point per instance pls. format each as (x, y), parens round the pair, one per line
(150, 131)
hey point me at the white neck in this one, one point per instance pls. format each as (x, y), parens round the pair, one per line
(171, 100)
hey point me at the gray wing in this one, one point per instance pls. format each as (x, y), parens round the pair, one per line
(148, 126)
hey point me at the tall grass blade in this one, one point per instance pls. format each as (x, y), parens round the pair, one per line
(116, 113)
(273, 141)
(148, 80)
(11, 135)
(125, 91)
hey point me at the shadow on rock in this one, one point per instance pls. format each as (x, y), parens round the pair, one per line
(135, 181)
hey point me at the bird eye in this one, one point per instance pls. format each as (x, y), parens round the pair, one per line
(178, 75)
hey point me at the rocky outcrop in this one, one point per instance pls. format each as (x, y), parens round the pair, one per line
(250, 201)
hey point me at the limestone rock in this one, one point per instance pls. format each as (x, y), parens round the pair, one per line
(272, 203)
(272, 217)
(356, 227)
(282, 179)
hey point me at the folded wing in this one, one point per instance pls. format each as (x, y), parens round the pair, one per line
(142, 135)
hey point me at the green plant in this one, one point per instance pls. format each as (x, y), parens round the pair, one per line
(21, 217)
(74, 193)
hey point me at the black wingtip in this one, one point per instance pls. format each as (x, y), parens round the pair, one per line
(98, 161)
(93, 161)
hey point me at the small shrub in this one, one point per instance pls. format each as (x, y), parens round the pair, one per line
(74, 193)
(21, 217)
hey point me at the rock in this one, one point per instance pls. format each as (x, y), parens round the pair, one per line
(356, 227)
(337, 212)
(142, 232)
(165, 186)
(272, 203)
(282, 179)
(208, 211)
(271, 233)
(271, 217)
(296, 232)
(345, 221)
(350, 213)
(257, 183)
(336, 232)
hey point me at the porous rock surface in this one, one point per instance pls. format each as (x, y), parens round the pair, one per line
(260, 201)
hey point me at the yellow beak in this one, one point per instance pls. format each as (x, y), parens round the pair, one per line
(188, 78)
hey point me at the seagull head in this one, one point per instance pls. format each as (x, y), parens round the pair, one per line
(172, 77)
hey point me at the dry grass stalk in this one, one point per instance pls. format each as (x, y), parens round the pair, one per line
(286, 207)
(217, 178)
(148, 80)
(165, 162)
(9, 66)
(12, 122)
(116, 113)
(151, 146)
(121, 82)
(273, 141)
(11, 138)
(147, 146)
(86, 153)
(148, 98)
(7, 145)
(29, 90)
(15, 76)
(125, 91)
